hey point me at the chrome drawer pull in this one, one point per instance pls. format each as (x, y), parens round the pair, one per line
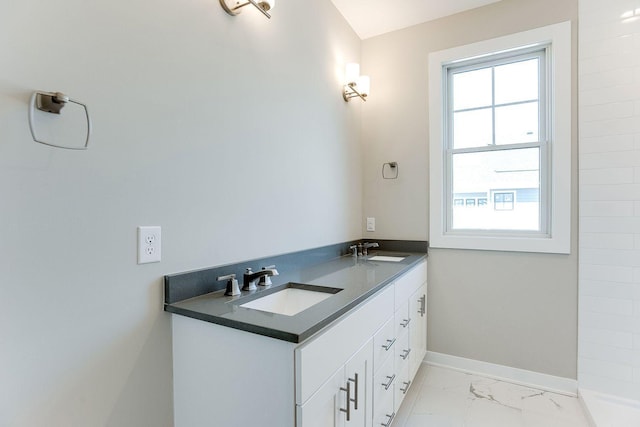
(348, 410)
(405, 322)
(391, 378)
(391, 417)
(406, 387)
(355, 400)
(389, 344)
(406, 354)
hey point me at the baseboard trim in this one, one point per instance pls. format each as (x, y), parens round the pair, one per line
(566, 386)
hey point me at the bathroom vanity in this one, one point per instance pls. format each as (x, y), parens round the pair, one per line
(346, 360)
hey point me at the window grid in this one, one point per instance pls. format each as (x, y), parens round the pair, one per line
(493, 62)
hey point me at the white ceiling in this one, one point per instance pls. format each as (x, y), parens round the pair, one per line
(370, 18)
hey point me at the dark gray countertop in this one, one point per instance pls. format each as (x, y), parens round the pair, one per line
(359, 278)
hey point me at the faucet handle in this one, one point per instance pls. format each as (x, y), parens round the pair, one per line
(354, 250)
(232, 285)
(368, 245)
(266, 279)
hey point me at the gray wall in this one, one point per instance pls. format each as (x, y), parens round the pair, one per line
(230, 133)
(518, 310)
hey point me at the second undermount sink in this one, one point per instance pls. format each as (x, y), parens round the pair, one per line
(292, 299)
(387, 258)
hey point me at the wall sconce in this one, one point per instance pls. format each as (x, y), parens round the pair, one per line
(233, 7)
(355, 85)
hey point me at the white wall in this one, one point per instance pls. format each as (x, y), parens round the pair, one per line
(518, 310)
(230, 133)
(609, 328)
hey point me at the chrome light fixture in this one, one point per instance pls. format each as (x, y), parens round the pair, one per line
(233, 7)
(355, 85)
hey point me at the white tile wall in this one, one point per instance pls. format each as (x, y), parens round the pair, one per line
(609, 155)
(607, 144)
(607, 241)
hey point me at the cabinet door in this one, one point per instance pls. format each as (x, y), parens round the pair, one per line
(323, 409)
(359, 372)
(418, 328)
(345, 400)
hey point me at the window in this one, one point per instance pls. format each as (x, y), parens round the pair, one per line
(500, 120)
(496, 135)
(503, 201)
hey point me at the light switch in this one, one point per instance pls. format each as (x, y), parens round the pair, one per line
(371, 224)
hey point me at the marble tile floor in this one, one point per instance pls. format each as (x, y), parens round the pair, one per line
(443, 397)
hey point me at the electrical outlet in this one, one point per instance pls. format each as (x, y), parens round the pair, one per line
(371, 224)
(149, 244)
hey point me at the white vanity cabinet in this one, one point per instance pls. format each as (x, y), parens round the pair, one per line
(353, 373)
(401, 345)
(334, 370)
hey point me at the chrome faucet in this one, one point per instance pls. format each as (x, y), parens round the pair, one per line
(367, 245)
(250, 279)
(266, 279)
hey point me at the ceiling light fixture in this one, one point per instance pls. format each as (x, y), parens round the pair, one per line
(233, 7)
(355, 85)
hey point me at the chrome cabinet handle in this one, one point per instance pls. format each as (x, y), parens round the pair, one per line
(389, 344)
(406, 387)
(355, 399)
(348, 410)
(423, 304)
(405, 322)
(405, 354)
(388, 384)
(388, 423)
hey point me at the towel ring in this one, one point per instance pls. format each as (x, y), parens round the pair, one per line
(53, 102)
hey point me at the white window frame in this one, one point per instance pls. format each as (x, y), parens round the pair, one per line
(557, 236)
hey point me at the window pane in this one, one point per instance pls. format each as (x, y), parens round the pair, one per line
(472, 128)
(472, 89)
(517, 82)
(517, 123)
(509, 179)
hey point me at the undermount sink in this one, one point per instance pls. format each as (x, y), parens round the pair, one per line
(294, 298)
(387, 258)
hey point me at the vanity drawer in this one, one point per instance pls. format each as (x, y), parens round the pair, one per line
(383, 344)
(384, 384)
(402, 320)
(402, 362)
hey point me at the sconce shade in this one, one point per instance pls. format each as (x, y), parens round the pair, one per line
(355, 85)
(364, 84)
(352, 72)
